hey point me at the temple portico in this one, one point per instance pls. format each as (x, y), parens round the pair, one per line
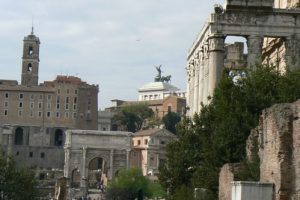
(254, 20)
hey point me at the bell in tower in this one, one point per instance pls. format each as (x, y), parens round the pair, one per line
(30, 60)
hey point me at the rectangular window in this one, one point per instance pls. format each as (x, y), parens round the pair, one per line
(67, 99)
(31, 105)
(48, 114)
(58, 99)
(75, 99)
(5, 112)
(21, 95)
(57, 114)
(146, 141)
(57, 106)
(31, 113)
(20, 104)
(75, 106)
(41, 96)
(42, 155)
(75, 91)
(6, 95)
(68, 91)
(40, 105)
(67, 106)
(74, 115)
(58, 91)
(66, 115)
(139, 142)
(31, 154)
(49, 97)
(6, 104)
(40, 114)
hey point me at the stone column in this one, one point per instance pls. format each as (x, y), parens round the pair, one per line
(292, 53)
(254, 43)
(190, 91)
(83, 183)
(205, 74)
(127, 158)
(201, 80)
(196, 85)
(67, 162)
(67, 149)
(111, 169)
(216, 61)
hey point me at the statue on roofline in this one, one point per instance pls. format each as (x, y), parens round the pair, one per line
(159, 77)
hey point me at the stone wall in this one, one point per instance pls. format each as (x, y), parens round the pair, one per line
(278, 144)
(225, 179)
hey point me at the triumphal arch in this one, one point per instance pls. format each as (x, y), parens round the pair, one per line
(94, 157)
(254, 20)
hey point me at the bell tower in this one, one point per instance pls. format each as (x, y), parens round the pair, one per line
(30, 60)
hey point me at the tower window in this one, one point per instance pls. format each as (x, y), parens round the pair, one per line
(21, 96)
(30, 51)
(29, 67)
(6, 95)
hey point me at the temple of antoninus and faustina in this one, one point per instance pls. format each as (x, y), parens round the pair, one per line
(271, 29)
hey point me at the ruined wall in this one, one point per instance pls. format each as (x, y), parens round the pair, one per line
(225, 178)
(279, 149)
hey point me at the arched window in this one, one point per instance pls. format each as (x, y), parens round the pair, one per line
(29, 67)
(19, 136)
(58, 137)
(30, 51)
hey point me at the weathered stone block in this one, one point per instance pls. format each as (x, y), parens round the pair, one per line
(249, 3)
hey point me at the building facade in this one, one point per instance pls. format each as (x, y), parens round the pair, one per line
(149, 150)
(34, 117)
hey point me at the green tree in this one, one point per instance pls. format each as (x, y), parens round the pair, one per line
(218, 133)
(16, 183)
(128, 185)
(134, 117)
(170, 120)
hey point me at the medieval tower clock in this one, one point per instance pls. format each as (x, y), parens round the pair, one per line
(30, 60)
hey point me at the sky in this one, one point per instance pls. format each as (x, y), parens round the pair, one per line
(113, 43)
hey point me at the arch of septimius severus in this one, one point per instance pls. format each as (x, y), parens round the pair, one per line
(272, 31)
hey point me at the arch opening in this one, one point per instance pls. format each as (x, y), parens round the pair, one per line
(19, 133)
(97, 173)
(58, 138)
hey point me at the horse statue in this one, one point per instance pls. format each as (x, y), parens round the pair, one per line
(166, 78)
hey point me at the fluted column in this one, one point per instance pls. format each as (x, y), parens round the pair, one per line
(190, 96)
(196, 85)
(111, 169)
(216, 61)
(83, 182)
(127, 158)
(201, 80)
(205, 73)
(255, 43)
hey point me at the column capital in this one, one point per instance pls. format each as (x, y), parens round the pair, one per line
(216, 42)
